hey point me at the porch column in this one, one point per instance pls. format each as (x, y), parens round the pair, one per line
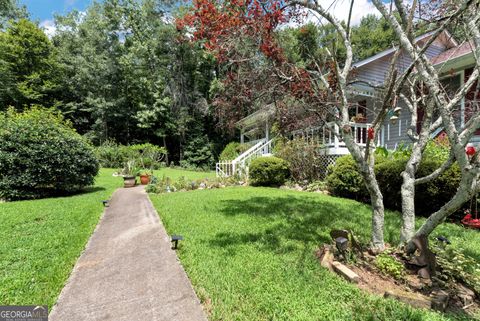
(242, 136)
(337, 142)
(266, 130)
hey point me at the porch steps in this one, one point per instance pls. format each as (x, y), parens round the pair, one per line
(239, 166)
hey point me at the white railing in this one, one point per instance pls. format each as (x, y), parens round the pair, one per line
(359, 133)
(240, 164)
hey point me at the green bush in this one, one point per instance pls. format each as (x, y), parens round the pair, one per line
(198, 154)
(232, 151)
(42, 155)
(145, 156)
(303, 157)
(345, 180)
(429, 197)
(268, 171)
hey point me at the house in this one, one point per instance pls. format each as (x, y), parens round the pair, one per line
(454, 61)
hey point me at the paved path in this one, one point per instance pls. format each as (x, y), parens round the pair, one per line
(128, 270)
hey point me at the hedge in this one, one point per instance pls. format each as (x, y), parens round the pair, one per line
(344, 180)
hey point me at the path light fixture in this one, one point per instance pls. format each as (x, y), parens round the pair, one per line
(106, 203)
(175, 239)
(342, 244)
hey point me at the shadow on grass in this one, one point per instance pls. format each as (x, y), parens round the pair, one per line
(306, 221)
(61, 194)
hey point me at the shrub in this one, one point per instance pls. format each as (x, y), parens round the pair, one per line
(42, 155)
(268, 171)
(232, 151)
(344, 180)
(429, 197)
(112, 155)
(198, 154)
(303, 157)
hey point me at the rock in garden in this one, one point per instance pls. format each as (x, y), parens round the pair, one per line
(466, 294)
(413, 299)
(325, 256)
(344, 271)
(440, 300)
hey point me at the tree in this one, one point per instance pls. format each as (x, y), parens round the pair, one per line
(9, 10)
(127, 76)
(439, 104)
(28, 62)
(325, 85)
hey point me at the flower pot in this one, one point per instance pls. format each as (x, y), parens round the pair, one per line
(144, 179)
(129, 181)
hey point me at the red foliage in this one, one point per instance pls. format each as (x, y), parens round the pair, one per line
(226, 28)
(470, 150)
(371, 133)
(216, 22)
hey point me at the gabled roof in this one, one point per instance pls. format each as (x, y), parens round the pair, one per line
(444, 36)
(453, 53)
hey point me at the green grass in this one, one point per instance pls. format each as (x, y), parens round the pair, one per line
(249, 254)
(40, 241)
(175, 174)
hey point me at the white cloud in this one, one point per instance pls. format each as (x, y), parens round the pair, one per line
(49, 27)
(69, 3)
(340, 10)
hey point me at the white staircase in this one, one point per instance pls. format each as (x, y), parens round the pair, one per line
(239, 166)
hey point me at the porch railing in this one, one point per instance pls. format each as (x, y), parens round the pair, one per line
(325, 135)
(239, 166)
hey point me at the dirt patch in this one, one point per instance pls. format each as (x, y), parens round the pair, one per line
(461, 300)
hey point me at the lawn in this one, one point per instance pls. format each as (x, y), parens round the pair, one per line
(249, 254)
(40, 241)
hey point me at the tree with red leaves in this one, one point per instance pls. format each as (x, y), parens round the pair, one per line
(227, 27)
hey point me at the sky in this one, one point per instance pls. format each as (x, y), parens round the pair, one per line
(44, 10)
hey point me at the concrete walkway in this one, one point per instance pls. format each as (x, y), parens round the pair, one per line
(128, 270)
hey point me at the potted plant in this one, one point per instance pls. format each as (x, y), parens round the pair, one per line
(145, 177)
(129, 174)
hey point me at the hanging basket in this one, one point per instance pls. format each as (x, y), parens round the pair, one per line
(468, 221)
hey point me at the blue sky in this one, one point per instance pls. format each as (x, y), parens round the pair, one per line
(43, 10)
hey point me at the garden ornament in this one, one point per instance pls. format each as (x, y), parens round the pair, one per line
(425, 260)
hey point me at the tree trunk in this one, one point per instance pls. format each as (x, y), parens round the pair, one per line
(408, 204)
(468, 188)
(165, 146)
(377, 215)
(366, 167)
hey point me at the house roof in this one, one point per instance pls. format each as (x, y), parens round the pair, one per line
(444, 37)
(262, 114)
(453, 53)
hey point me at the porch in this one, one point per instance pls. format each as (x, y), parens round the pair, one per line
(325, 137)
